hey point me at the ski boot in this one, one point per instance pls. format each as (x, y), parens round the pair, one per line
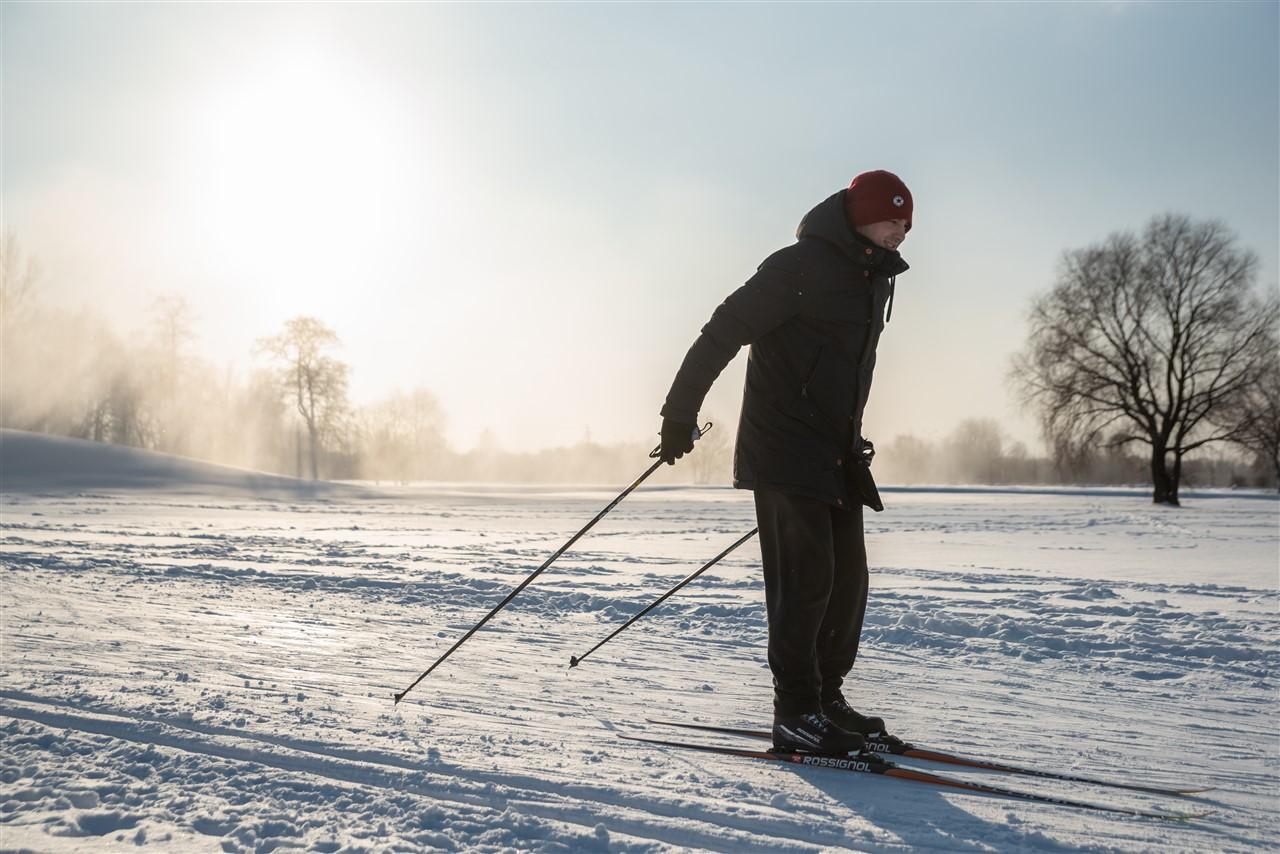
(847, 718)
(814, 732)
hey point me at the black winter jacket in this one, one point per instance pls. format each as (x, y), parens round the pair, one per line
(812, 313)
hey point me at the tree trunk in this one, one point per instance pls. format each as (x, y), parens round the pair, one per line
(1175, 479)
(1163, 487)
(315, 473)
(309, 414)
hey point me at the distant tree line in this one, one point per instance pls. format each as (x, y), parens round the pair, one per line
(978, 451)
(1158, 342)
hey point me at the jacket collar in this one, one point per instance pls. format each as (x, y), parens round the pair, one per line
(827, 221)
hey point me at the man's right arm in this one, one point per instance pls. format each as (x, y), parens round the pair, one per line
(768, 299)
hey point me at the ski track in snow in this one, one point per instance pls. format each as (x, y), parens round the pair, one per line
(210, 673)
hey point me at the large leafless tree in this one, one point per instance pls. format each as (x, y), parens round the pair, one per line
(1149, 339)
(313, 380)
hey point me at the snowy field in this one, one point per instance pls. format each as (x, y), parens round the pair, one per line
(193, 662)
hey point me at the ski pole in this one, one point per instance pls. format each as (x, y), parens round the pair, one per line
(574, 661)
(656, 452)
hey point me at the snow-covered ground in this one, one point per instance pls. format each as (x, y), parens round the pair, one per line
(189, 664)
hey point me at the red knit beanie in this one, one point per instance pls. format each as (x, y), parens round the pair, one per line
(878, 196)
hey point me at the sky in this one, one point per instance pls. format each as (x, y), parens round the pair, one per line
(531, 209)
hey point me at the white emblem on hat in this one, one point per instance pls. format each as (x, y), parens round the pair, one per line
(898, 201)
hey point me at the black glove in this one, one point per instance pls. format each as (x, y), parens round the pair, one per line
(866, 450)
(858, 479)
(677, 439)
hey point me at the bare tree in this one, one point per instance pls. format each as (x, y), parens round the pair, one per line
(261, 418)
(907, 459)
(172, 330)
(314, 381)
(975, 451)
(712, 457)
(1254, 417)
(402, 437)
(1146, 340)
(114, 407)
(19, 279)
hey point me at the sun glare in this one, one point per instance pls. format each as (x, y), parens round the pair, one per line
(299, 171)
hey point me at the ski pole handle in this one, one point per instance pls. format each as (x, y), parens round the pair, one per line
(697, 434)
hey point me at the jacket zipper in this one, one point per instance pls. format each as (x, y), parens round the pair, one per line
(804, 386)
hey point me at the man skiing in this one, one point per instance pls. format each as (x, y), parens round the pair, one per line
(812, 315)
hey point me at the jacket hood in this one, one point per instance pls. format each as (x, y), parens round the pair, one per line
(827, 221)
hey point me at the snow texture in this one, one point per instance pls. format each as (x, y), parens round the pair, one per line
(199, 659)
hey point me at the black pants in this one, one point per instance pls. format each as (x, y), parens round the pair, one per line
(815, 582)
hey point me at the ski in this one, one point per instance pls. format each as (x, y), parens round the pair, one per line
(896, 747)
(870, 763)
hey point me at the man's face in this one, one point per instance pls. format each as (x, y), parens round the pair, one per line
(887, 234)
